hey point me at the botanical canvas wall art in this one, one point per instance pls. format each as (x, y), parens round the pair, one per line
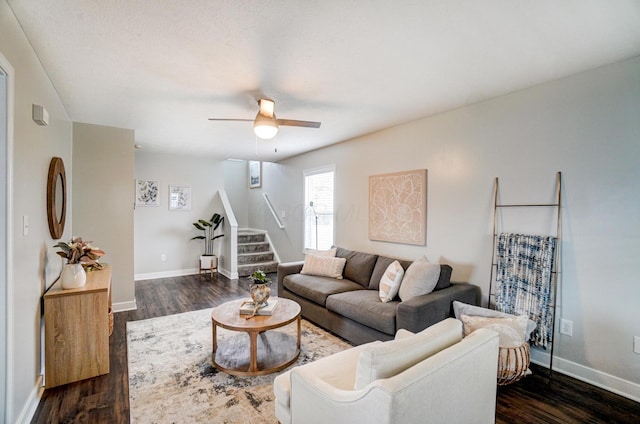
(398, 207)
(147, 193)
(179, 198)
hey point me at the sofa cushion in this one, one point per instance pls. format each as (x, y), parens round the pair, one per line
(359, 265)
(317, 289)
(390, 282)
(382, 263)
(323, 266)
(364, 306)
(421, 278)
(444, 280)
(384, 360)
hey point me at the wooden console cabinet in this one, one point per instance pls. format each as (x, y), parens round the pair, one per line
(76, 329)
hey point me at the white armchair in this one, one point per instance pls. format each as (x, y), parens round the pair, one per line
(433, 376)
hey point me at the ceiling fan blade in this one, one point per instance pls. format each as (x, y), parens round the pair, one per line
(230, 119)
(294, 123)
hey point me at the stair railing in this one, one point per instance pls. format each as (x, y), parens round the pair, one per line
(229, 267)
(273, 211)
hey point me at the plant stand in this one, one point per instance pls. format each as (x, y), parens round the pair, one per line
(208, 264)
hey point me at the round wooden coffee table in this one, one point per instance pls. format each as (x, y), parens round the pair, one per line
(270, 353)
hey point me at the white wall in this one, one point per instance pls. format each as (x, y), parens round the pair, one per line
(283, 185)
(586, 126)
(236, 183)
(159, 231)
(35, 265)
(103, 176)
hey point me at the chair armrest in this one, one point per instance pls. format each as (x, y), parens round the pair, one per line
(315, 401)
(287, 268)
(421, 312)
(463, 374)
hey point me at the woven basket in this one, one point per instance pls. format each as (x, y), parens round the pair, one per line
(513, 363)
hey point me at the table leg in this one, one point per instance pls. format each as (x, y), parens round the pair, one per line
(299, 331)
(214, 339)
(253, 348)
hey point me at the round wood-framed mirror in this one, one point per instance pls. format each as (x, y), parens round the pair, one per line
(56, 197)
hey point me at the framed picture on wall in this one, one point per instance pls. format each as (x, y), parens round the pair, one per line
(179, 198)
(255, 174)
(398, 207)
(147, 193)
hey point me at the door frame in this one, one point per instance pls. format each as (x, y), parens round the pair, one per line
(6, 277)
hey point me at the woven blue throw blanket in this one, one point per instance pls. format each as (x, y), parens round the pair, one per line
(524, 281)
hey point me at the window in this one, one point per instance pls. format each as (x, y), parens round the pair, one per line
(318, 198)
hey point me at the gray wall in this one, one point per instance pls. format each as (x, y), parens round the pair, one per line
(160, 231)
(103, 175)
(586, 126)
(35, 265)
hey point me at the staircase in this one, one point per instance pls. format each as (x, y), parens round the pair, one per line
(254, 253)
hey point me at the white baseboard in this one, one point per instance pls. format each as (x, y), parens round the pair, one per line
(229, 275)
(180, 273)
(31, 405)
(125, 306)
(165, 274)
(594, 377)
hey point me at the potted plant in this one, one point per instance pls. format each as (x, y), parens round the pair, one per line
(208, 259)
(260, 288)
(77, 253)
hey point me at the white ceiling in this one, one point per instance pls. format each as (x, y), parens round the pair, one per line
(162, 67)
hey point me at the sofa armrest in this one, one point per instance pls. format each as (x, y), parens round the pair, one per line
(421, 312)
(287, 268)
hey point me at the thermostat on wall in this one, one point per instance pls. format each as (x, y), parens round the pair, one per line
(40, 115)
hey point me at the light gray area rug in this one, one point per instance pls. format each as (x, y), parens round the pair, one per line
(171, 379)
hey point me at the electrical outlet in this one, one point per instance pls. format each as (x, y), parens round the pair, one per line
(566, 327)
(636, 344)
(163, 257)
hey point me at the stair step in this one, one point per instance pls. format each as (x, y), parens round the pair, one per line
(254, 258)
(251, 238)
(253, 247)
(246, 270)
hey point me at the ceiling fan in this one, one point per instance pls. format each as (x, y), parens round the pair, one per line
(265, 125)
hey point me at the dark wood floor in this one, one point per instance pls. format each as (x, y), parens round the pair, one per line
(105, 399)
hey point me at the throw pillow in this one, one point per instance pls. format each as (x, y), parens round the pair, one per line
(460, 308)
(330, 252)
(323, 266)
(390, 282)
(511, 330)
(420, 278)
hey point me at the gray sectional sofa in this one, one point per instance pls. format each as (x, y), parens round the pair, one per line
(351, 308)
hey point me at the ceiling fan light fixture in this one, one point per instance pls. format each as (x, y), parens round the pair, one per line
(265, 127)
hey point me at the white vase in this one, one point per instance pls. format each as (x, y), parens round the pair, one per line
(73, 276)
(208, 262)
